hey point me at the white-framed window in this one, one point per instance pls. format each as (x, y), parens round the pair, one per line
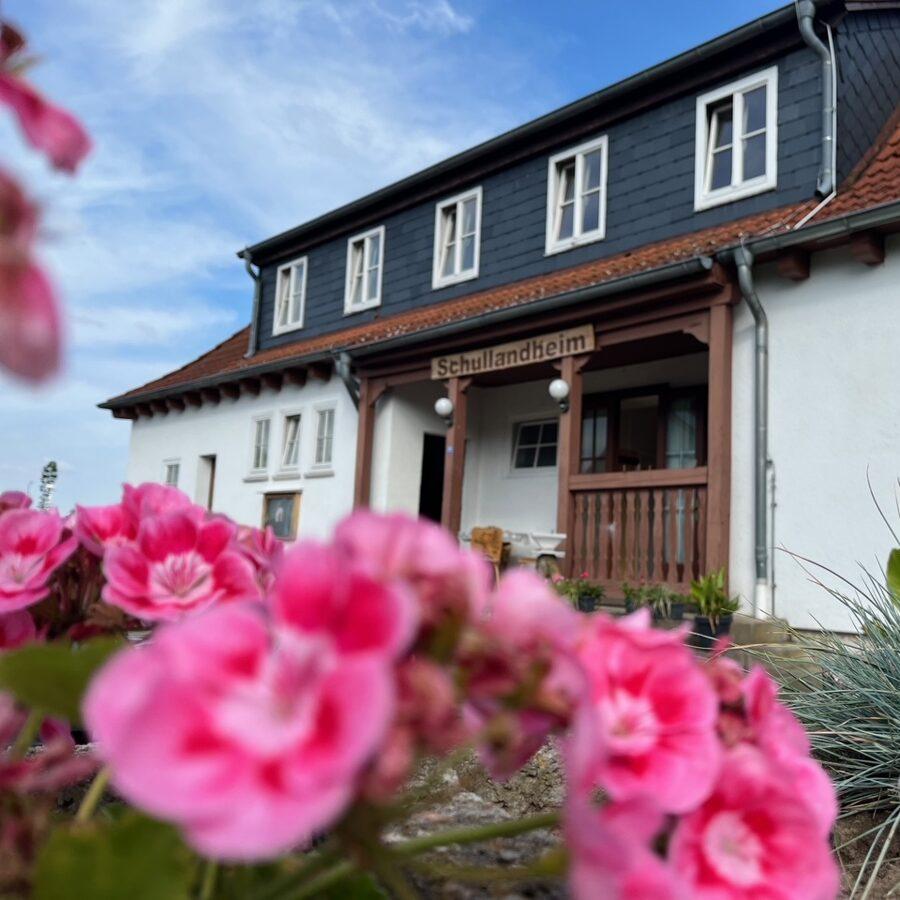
(534, 444)
(457, 239)
(259, 449)
(576, 195)
(365, 266)
(324, 452)
(737, 140)
(171, 471)
(290, 296)
(290, 441)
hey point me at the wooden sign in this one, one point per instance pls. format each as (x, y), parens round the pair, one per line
(518, 353)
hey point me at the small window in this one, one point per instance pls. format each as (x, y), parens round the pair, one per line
(737, 140)
(281, 513)
(260, 454)
(172, 471)
(290, 451)
(290, 296)
(365, 258)
(457, 239)
(324, 437)
(576, 196)
(535, 444)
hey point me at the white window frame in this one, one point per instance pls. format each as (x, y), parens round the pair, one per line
(737, 190)
(167, 463)
(294, 469)
(578, 237)
(322, 468)
(296, 299)
(439, 280)
(517, 424)
(263, 472)
(372, 302)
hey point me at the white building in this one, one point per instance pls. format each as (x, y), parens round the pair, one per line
(701, 259)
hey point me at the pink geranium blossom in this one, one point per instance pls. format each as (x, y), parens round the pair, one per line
(179, 563)
(264, 550)
(320, 591)
(522, 634)
(33, 545)
(753, 838)
(100, 527)
(610, 855)
(151, 499)
(47, 127)
(648, 725)
(14, 500)
(16, 628)
(448, 581)
(250, 738)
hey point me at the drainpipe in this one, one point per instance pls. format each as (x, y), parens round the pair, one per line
(762, 596)
(257, 294)
(343, 365)
(806, 15)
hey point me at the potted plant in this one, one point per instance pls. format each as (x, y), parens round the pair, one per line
(580, 591)
(664, 604)
(714, 609)
(635, 596)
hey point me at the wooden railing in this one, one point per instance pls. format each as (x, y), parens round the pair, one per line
(639, 526)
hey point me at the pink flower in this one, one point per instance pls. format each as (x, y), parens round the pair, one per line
(30, 328)
(151, 499)
(319, 591)
(101, 527)
(778, 734)
(648, 725)
(265, 552)
(14, 500)
(178, 564)
(16, 628)
(47, 127)
(249, 737)
(448, 581)
(752, 838)
(522, 677)
(32, 547)
(610, 852)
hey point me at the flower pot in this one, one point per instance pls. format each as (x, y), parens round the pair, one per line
(676, 612)
(629, 605)
(588, 603)
(705, 636)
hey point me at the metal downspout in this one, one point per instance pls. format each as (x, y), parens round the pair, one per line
(257, 295)
(762, 598)
(806, 15)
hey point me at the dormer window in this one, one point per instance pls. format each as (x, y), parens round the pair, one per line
(576, 196)
(290, 296)
(737, 140)
(457, 239)
(365, 258)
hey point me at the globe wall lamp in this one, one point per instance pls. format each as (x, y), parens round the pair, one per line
(443, 406)
(559, 391)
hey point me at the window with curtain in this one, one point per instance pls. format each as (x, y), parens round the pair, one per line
(457, 239)
(324, 437)
(365, 256)
(290, 451)
(576, 196)
(290, 296)
(260, 454)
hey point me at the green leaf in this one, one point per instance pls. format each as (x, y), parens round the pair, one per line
(358, 886)
(134, 858)
(893, 574)
(54, 677)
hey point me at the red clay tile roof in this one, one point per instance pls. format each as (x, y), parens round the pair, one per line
(875, 182)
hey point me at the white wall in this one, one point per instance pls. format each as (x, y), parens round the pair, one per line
(834, 413)
(403, 416)
(226, 431)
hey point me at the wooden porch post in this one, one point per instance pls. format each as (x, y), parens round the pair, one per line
(718, 454)
(569, 452)
(369, 392)
(455, 460)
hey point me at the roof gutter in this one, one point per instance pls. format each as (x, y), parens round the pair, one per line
(806, 17)
(256, 275)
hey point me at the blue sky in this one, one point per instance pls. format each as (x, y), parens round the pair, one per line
(220, 122)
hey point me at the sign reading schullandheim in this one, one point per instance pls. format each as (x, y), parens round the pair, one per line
(518, 353)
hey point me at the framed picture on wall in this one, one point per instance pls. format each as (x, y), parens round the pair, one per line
(281, 512)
